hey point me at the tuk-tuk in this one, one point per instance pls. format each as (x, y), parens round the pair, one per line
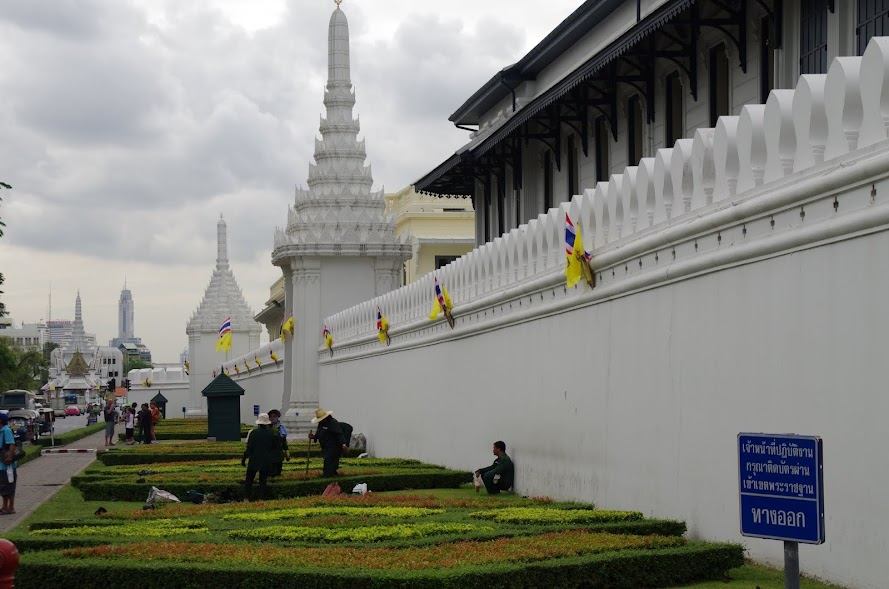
(47, 417)
(24, 424)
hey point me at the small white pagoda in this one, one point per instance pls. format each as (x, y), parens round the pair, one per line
(339, 247)
(222, 299)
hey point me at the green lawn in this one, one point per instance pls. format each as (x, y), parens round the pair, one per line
(753, 576)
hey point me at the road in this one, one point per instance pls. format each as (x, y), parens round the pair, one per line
(69, 423)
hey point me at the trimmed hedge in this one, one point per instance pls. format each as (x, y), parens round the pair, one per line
(103, 488)
(174, 435)
(628, 569)
(72, 436)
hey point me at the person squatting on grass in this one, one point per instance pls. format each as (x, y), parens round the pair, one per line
(260, 452)
(331, 439)
(282, 453)
(8, 470)
(497, 477)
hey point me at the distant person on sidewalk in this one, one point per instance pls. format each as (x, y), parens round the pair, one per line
(332, 440)
(8, 470)
(109, 412)
(145, 424)
(281, 451)
(130, 419)
(497, 477)
(260, 452)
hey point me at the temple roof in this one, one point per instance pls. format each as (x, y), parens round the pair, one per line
(223, 297)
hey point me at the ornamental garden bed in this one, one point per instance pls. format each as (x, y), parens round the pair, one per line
(192, 451)
(223, 478)
(183, 429)
(392, 540)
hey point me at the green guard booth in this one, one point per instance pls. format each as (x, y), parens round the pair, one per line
(223, 409)
(161, 402)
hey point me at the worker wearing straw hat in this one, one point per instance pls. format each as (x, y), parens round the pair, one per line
(332, 440)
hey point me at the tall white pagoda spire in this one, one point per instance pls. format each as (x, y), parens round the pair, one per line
(78, 335)
(339, 246)
(338, 214)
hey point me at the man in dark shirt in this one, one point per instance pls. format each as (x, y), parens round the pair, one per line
(497, 477)
(331, 439)
(145, 424)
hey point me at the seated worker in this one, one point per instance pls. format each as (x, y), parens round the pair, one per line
(497, 477)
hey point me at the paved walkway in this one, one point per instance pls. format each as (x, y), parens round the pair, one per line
(41, 478)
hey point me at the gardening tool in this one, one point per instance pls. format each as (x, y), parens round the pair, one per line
(308, 455)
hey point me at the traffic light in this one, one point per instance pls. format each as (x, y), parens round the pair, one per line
(112, 385)
(126, 383)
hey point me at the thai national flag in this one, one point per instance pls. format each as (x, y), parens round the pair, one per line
(569, 235)
(379, 319)
(439, 296)
(226, 327)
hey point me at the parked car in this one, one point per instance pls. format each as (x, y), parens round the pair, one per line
(72, 410)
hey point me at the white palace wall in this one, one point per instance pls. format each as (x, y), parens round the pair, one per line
(741, 281)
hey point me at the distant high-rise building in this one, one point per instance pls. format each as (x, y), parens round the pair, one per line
(125, 314)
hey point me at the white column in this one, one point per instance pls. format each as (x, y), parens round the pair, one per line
(303, 352)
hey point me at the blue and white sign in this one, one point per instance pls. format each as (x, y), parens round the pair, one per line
(256, 411)
(782, 488)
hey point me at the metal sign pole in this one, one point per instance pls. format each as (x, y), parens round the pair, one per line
(791, 565)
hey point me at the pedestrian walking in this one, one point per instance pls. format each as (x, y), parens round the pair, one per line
(145, 424)
(8, 466)
(109, 412)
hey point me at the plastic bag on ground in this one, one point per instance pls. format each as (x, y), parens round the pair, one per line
(359, 489)
(156, 494)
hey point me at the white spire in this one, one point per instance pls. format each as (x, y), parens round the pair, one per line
(338, 49)
(223, 297)
(221, 245)
(338, 214)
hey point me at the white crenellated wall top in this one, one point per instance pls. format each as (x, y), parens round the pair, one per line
(267, 357)
(827, 116)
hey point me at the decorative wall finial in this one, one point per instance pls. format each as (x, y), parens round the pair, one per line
(338, 2)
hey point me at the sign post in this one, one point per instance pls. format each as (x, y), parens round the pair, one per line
(256, 411)
(781, 478)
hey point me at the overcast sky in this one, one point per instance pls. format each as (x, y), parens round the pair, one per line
(129, 126)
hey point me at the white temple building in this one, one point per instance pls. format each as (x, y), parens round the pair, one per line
(339, 247)
(80, 366)
(222, 299)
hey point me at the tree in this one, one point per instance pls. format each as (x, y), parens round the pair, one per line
(19, 368)
(135, 364)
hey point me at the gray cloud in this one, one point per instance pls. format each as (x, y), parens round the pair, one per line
(129, 125)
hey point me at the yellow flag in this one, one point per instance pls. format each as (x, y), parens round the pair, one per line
(287, 328)
(256, 359)
(224, 343)
(575, 255)
(186, 367)
(382, 327)
(274, 357)
(436, 306)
